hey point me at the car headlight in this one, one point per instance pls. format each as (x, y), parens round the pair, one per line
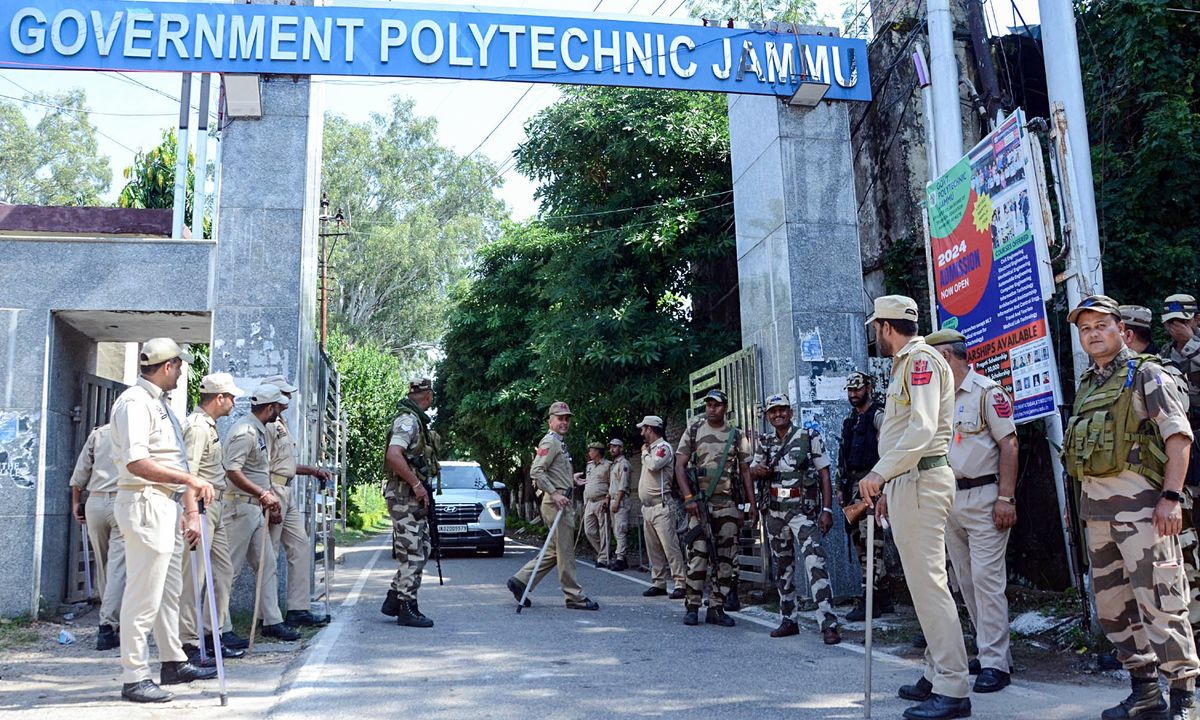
(496, 508)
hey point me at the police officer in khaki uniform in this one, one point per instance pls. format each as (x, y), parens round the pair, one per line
(551, 472)
(289, 533)
(659, 508)
(618, 503)
(1127, 442)
(983, 456)
(918, 486)
(217, 394)
(153, 477)
(96, 474)
(247, 459)
(595, 502)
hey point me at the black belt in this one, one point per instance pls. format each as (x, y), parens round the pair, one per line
(970, 483)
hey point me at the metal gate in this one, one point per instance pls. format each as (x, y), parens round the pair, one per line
(738, 376)
(322, 502)
(97, 397)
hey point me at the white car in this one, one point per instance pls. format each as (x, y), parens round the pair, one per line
(470, 512)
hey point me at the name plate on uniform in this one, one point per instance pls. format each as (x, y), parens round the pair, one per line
(452, 528)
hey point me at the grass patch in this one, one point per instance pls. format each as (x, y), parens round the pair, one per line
(517, 525)
(241, 626)
(17, 632)
(353, 536)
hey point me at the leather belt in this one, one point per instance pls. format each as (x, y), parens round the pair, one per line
(653, 502)
(280, 480)
(931, 462)
(970, 483)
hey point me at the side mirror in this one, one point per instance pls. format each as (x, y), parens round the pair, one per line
(496, 485)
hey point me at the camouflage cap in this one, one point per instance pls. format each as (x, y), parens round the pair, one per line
(599, 446)
(778, 400)
(859, 379)
(716, 396)
(1136, 316)
(560, 408)
(1095, 303)
(419, 385)
(160, 350)
(945, 336)
(1179, 307)
(616, 441)
(893, 307)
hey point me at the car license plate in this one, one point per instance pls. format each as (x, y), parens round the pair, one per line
(452, 528)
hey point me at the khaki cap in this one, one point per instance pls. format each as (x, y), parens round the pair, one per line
(893, 307)
(617, 442)
(652, 420)
(1136, 316)
(560, 408)
(280, 382)
(159, 350)
(596, 446)
(1179, 307)
(945, 336)
(264, 394)
(1095, 303)
(218, 383)
(778, 400)
(859, 379)
(419, 385)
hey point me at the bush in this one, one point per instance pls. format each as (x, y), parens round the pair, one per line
(367, 507)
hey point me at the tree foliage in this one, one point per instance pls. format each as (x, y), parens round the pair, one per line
(1141, 74)
(625, 283)
(797, 11)
(417, 211)
(373, 384)
(150, 181)
(55, 160)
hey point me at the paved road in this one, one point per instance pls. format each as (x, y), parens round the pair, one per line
(633, 658)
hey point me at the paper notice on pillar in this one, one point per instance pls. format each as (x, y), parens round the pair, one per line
(984, 227)
(810, 346)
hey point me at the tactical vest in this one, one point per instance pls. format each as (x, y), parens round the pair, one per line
(860, 443)
(808, 479)
(422, 457)
(1104, 436)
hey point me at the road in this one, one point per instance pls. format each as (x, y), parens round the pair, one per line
(633, 658)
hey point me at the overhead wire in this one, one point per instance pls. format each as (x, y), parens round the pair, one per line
(73, 110)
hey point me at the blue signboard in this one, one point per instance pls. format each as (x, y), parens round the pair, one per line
(399, 41)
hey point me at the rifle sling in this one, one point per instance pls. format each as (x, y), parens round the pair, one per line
(712, 485)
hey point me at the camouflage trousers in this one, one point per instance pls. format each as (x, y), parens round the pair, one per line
(786, 530)
(410, 543)
(724, 518)
(1189, 545)
(858, 538)
(1141, 600)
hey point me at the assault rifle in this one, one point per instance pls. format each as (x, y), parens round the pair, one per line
(435, 536)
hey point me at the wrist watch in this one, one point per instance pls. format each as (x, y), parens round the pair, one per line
(1171, 495)
(1007, 498)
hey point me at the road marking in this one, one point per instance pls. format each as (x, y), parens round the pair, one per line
(352, 596)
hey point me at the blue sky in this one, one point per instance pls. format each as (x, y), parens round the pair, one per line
(130, 110)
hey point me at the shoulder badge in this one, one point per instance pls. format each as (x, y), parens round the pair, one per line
(661, 452)
(1001, 404)
(920, 373)
(543, 451)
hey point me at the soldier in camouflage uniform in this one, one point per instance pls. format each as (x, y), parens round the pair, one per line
(1183, 353)
(791, 465)
(411, 459)
(618, 503)
(707, 439)
(1127, 443)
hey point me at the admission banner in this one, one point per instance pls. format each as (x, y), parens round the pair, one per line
(985, 230)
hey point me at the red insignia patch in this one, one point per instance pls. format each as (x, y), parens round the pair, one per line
(921, 374)
(542, 452)
(1001, 405)
(662, 452)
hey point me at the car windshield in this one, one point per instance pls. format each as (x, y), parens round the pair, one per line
(463, 477)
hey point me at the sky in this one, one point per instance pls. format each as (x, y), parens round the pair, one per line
(130, 110)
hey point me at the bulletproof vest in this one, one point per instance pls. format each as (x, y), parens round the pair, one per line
(860, 444)
(1104, 436)
(422, 457)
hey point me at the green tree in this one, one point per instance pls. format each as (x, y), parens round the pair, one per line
(150, 181)
(1141, 74)
(797, 11)
(373, 383)
(56, 159)
(417, 212)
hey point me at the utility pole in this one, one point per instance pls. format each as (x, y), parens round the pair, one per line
(342, 229)
(993, 107)
(947, 117)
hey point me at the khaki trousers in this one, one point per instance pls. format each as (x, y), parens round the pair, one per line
(222, 572)
(918, 506)
(620, 527)
(292, 536)
(595, 526)
(662, 545)
(560, 553)
(976, 550)
(108, 555)
(149, 523)
(247, 531)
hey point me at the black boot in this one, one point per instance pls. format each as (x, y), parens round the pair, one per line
(177, 673)
(1183, 702)
(883, 603)
(107, 638)
(787, 628)
(732, 602)
(391, 604)
(859, 613)
(416, 609)
(296, 618)
(280, 631)
(717, 616)
(1146, 701)
(230, 640)
(145, 692)
(406, 618)
(691, 617)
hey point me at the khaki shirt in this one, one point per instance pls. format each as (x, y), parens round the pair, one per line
(658, 469)
(246, 449)
(1128, 496)
(710, 442)
(405, 431)
(283, 453)
(598, 477)
(619, 478)
(204, 449)
(143, 426)
(982, 417)
(551, 469)
(918, 412)
(96, 470)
